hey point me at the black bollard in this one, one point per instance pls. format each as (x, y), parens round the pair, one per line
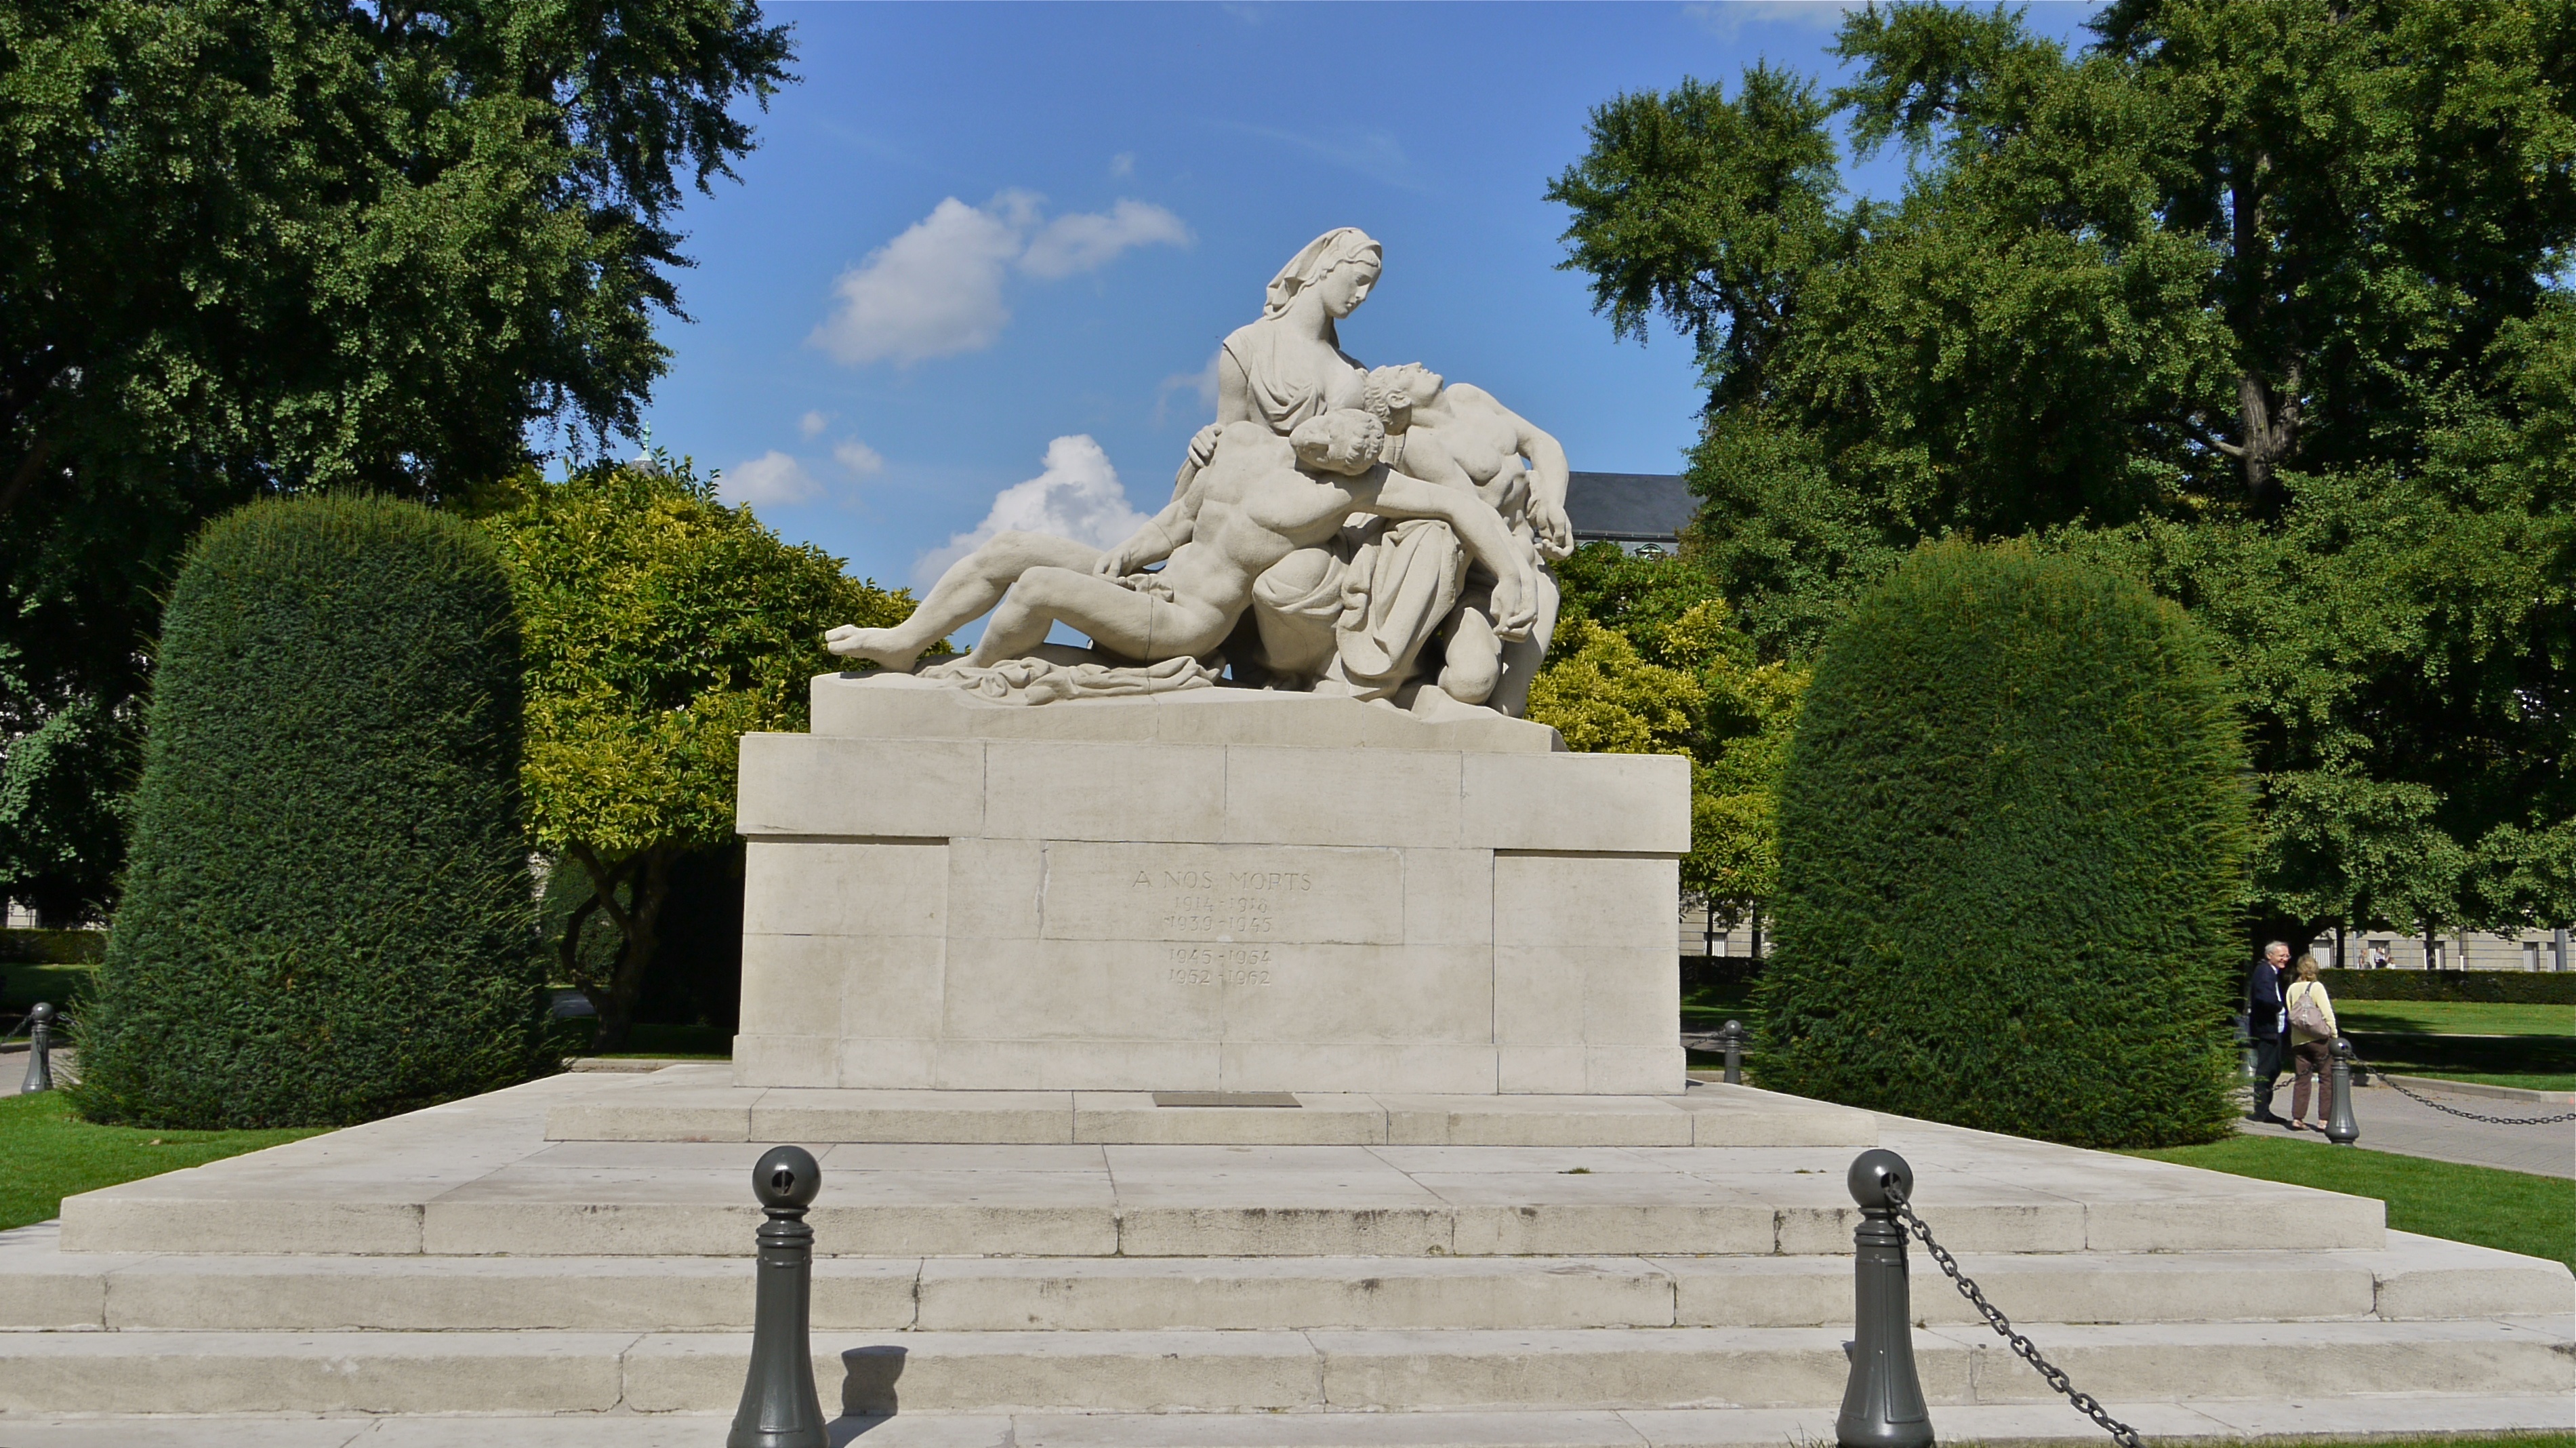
(779, 1406)
(1883, 1403)
(1733, 1039)
(40, 1050)
(2341, 1128)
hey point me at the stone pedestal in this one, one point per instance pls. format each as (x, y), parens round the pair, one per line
(1214, 890)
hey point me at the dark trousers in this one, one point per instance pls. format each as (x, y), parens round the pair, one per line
(2271, 1058)
(2316, 1057)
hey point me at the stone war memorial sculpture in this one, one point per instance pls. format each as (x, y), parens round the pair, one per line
(1277, 827)
(1246, 1017)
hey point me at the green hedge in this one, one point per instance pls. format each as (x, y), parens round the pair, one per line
(327, 914)
(52, 947)
(2507, 987)
(2012, 834)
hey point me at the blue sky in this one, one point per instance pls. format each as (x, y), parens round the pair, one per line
(977, 270)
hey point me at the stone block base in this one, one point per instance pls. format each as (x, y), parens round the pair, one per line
(1173, 893)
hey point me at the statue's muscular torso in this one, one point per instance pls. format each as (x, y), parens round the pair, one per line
(1254, 507)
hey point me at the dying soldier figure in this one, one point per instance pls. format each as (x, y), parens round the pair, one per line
(1260, 498)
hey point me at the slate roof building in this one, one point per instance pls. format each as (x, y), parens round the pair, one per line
(1633, 510)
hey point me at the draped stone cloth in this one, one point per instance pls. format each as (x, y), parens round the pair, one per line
(1044, 681)
(1296, 606)
(1284, 390)
(1402, 582)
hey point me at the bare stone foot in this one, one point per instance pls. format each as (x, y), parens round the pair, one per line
(876, 645)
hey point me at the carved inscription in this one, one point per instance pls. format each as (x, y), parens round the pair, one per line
(1218, 904)
(1221, 965)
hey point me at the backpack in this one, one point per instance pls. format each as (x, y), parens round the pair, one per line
(2305, 1013)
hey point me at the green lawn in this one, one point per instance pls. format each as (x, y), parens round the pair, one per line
(22, 986)
(2455, 1018)
(2543, 1063)
(2515, 1211)
(2525, 1080)
(48, 1153)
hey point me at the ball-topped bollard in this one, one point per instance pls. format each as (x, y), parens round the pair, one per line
(1883, 1401)
(1731, 1036)
(40, 1050)
(2342, 1127)
(785, 1180)
(780, 1408)
(1873, 1172)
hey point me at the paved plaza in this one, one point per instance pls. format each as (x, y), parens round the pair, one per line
(2392, 1123)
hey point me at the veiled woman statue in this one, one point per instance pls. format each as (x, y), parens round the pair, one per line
(1281, 370)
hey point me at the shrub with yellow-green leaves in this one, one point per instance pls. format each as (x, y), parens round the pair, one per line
(1667, 672)
(660, 627)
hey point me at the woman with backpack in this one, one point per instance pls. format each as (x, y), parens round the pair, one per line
(2312, 1038)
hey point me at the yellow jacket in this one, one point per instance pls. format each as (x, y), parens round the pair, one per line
(2325, 1004)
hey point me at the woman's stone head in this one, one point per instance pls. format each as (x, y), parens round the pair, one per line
(1340, 266)
(1344, 440)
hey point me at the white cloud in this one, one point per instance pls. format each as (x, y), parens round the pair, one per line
(1083, 241)
(813, 423)
(1078, 496)
(1727, 19)
(858, 457)
(936, 290)
(1201, 383)
(772, 477)
(1123, 164)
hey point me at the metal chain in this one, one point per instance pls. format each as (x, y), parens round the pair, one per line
(2085, 1403)
(2467, 1115)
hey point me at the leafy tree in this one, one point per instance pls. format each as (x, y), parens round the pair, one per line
(661, 626)
(62, 780)
(250, 248)
(2011, 840)
(1646, 661)
(2250, 300)
(330, 917)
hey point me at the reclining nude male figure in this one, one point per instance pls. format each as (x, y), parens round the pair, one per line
(1261, 497)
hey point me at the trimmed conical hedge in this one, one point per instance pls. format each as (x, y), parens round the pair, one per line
(327, 915)
(2012, 834)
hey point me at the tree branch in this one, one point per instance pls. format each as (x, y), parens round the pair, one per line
(2212, 441)
(603, 888)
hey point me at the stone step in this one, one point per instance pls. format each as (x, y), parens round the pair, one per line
(2206, 1420)
(2224, 1421)
(1261, 1372)
(699, 1103)
(2414, 1278)
(670, 1199)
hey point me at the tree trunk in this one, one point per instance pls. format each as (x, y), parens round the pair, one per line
(646, 876)
(651, 889)
(2268, 423)
(2267, 414)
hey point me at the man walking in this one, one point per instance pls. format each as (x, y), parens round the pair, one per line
(2267, 1020)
